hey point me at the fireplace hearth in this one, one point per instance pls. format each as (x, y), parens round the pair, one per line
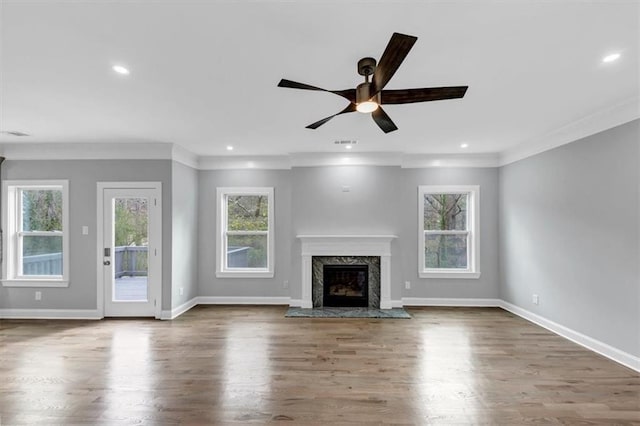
(345, 285)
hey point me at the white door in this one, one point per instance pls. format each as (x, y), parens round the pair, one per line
(129, 251)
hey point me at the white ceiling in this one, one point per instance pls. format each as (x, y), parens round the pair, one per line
(204, 73)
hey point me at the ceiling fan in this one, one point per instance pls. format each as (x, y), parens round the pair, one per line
(369, 96)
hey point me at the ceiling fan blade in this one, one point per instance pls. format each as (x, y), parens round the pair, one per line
(408, 96)
(349, 94)
(295, 85)
(395, 52)
(350, 108)
(383, 120)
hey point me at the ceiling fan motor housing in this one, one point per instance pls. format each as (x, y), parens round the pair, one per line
(366, 66)
(363, 94)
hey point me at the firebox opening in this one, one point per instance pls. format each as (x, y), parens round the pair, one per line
(346, 285)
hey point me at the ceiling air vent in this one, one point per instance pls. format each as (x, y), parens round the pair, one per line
(346, 142)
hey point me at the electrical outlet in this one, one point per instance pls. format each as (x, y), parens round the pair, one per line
(38, 295)
(536, 299)
(181, 291)
(285, 284)
(407, 285)
(85, 230)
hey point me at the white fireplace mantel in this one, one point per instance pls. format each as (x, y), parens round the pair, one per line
(347, 245)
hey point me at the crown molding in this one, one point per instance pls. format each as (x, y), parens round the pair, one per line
(608, 118)
(421, 161)
(184, 156)
(87, 151)
(270, 162)
(330, 159)
(319, 159)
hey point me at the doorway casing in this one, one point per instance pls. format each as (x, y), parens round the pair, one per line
(155, 261)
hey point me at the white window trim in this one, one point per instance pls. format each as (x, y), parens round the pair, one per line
(10, 224)
(473, 230)
(221, 269)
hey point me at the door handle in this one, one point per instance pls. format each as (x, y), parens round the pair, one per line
(106, 262)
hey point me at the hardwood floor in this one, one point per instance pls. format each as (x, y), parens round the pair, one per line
(239, 365)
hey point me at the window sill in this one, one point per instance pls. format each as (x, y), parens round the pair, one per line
(450, 274)
(244, 274)
(34, 283)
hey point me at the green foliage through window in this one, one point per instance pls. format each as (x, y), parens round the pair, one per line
(246, 215)
(445, 212)
(41, 212)
(131, 222)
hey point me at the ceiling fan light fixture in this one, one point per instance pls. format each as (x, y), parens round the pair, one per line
(365, 107)
(364, 101)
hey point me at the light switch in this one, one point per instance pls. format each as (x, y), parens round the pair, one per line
(85, 230)
(346, 189)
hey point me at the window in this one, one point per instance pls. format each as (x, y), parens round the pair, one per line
(449, 231)
(245, 233)
(36, 242)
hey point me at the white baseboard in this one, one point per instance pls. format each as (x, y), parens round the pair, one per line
(439, 301)
(84, 314)
(233, 300)
(179, 310)
(590, 343)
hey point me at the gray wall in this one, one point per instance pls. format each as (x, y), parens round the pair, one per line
(209, 285)
(487, 286)
(384, 200)
(83, 176)
(569, 232)
(184, 233)
(321, 207)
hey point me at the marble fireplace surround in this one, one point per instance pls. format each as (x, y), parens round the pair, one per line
(346, 245)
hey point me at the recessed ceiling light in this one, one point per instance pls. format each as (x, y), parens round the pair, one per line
(612, 57)
(464, 145)
(348, 146)
(229, 148)
(120, 69)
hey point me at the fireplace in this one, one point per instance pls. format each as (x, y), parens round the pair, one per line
(371, 250)
(349, 278)
(345, 285)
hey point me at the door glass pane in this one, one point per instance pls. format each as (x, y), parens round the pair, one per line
(445, 251)
(130, 254)
(42, 255)
(247, 251)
